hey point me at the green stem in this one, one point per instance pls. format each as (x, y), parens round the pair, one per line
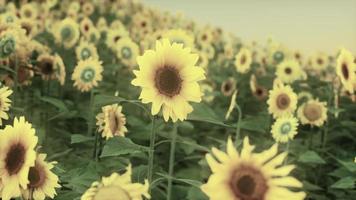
(91, 110)
(172, 161)
(286, 150)
(151, 152)
(95, 147)
(16, 81)
(238, 125)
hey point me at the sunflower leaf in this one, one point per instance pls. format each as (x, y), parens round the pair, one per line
(121, 146)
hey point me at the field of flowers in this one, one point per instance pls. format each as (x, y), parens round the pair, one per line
(114, 100)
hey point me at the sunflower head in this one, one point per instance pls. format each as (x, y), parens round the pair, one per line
(67, 32)
(5, 103)
(169, 79)
(289, 71)
(313, 112)
(345, 69)
(87, 74)
(86, 50)
(127, 51)
(46, 66)
(111, 121)
(284, 129)
(228, 86)
(243, 60)
(248, 175)
(179, 36)
(282, 101)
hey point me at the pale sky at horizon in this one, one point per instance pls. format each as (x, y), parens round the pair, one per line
(314, 25)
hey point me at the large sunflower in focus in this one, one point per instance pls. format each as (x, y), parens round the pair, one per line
(250, 176)
(17, 155)
(169, 79)
(282, 100)
(345, 69)
(117, 187)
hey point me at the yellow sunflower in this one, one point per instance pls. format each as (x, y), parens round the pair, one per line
(179, 36)
(17, 155)
(208, 49)
(87, 74)
(115, 35)
(228, 86)
(127, 51)
(248, 175)
(119, 186)
(289, 71)
(319, 62)
(345, 69)
(86, 50)
(8, 17)
(284, 129)
(243, 60)
(85, 26)
(102, 24)
(29, 26)
(111, 121)
(60, 69)
(257, 90)
(205, 36)
(28, 11)
(46, 66)
(169, 79)
(5, 102)
(208, 90)
(42, 181)
(313, 112)
(282, 101)
(88, 8)
(67, 33)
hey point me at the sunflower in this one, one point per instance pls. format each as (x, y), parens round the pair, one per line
(345, 69)
(28, 11)
(243, 60)
(208, 49)
(127, 51)
(88, 8)
(248, 175)
(60, 69)
(67, 32)
(17, 155)
(42, 181)
(319, 62)
(102, 24)
(46, 66)
(304, 96)
(284, 129)
(5, 102)
(87, 74)
(169, 79)
(228, 86)
(119, 186)
(257, 90)
(85, 26)
(86, 50)
(115, 35)
(282, 101)
(179, 36)
(29, 26)
(8, 17)
(111, 121)
(205, 36)
(289, 71)
(312, 112)
(207, 90)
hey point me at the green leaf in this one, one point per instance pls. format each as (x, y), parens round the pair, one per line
(194, 183)
(55, 102)
(103, 100)
(344, 183)
(255, 123)
(311, 187)
(311, 157)
(204, 113)
(121, 146)
(77, 138)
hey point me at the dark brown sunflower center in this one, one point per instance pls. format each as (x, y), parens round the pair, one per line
(114, 122)
(204, 37)
(27, 28)
(116, 38)
(227, 87)
(15, 158)
(36, 176)
(243, 60)
(288, 70)
(312, 112)
(46, 67)
(168, 81)
(86, 27)
(143, 24)
(320, 61)
(283, 101)
(248, 183)
(345, 71)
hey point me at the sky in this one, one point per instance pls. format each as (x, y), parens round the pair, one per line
(306, 25)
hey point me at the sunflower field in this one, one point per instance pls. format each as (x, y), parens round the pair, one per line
(115, 100)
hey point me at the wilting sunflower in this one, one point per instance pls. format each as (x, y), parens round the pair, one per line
(127, 51)
(179, 36)
(60, 69)
(17, 155)
(87, 74)
(289, 71)
(243, 60)
(313, 112)
(111, 121)
(248, 175)
(67, 33)
(119, 186)
(46, 66)
(86, 50)
(284, 129)
(282, 101)
(228, 86)
(345, 69)
(169, 79)
(5, 92)
(42, 181)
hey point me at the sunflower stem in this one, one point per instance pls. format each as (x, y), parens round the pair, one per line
(95, 155)
(90, 117)
(151, 151)
(238, 125)
(16, 81)
(171, 161)
(287, 151)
